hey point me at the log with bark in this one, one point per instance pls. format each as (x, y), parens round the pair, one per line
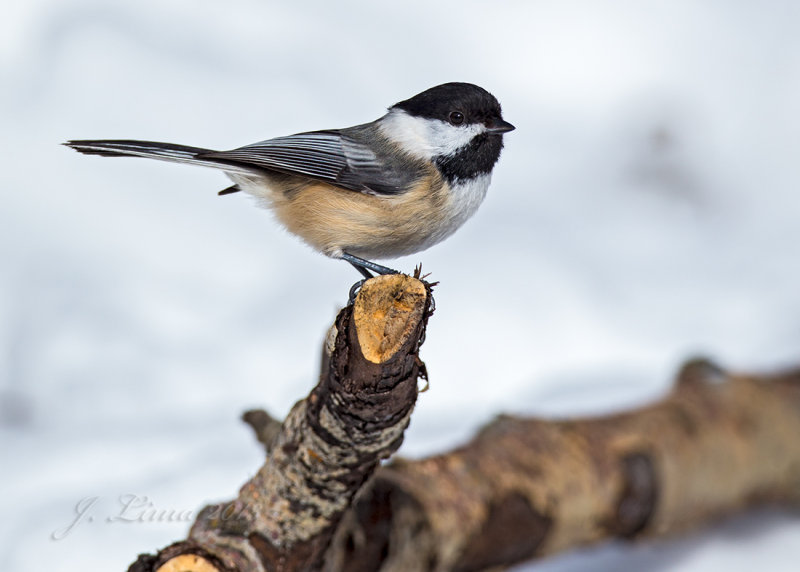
(522, 488)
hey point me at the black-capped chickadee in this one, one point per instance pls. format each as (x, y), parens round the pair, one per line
(384, 189)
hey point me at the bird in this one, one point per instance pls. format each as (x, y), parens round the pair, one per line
(384, 189)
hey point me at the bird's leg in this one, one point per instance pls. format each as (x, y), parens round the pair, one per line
(365, 266)
(364, 272)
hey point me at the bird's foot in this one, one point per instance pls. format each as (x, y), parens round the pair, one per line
(365, 267)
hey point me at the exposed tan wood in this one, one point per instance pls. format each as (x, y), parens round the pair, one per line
(188, 563)
(386, 314)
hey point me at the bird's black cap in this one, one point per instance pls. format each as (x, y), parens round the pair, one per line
(475, 103)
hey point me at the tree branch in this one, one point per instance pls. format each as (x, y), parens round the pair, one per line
(521, 489)
(328, 446)
(525, 488)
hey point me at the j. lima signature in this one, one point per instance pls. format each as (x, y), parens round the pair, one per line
(133, 509)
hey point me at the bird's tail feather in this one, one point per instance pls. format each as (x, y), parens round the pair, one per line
(162, 151)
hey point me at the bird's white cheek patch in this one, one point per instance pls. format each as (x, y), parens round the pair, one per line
(410, 133)
(448, 139)
(426, 138)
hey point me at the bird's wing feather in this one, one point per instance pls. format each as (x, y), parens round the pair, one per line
(330, 156)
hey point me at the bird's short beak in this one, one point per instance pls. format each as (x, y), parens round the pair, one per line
(498, 127)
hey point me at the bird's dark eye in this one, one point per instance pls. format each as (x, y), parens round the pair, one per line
(456, 117)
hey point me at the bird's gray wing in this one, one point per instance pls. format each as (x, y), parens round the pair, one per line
(339, 157)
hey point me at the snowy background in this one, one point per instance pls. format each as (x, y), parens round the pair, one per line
(645, 210)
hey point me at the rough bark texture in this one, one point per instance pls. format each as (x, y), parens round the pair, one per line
(328, 446)
(525, 488)
(522, 488)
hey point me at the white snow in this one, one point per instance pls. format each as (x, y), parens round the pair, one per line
(646, 209)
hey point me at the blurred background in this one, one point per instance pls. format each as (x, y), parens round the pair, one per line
(645, 211)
